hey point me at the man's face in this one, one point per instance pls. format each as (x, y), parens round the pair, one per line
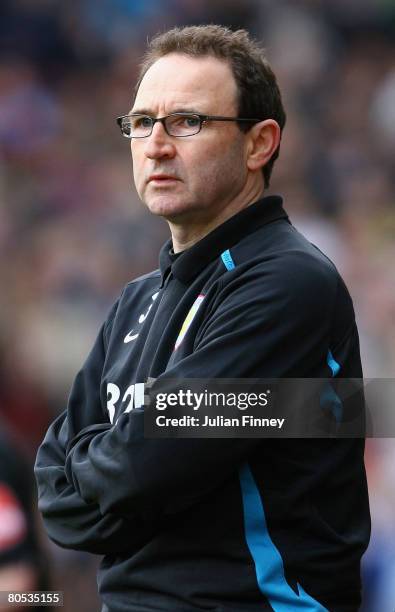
(208, 169)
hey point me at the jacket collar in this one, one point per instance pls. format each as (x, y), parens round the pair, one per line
(192, 261)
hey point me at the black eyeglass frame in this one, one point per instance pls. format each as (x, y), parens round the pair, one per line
(162, 120)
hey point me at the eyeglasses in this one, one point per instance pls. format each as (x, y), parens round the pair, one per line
(179, 125)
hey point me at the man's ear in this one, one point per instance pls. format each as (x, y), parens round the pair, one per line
(264, 139)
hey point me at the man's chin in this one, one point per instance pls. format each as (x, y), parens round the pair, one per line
(170, 208)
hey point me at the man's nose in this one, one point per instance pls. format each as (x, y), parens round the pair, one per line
(159, 144)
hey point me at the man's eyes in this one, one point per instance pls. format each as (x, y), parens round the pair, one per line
(142, 121)
(185, 120)
(145, 121)
(192, 121)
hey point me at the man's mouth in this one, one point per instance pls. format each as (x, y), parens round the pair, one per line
(162, 178)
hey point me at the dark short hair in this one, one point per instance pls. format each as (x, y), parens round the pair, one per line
(258, 91)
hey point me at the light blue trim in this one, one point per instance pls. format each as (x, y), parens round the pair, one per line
(227, 260)
(329, 400)
(332, 363)
(269, 565)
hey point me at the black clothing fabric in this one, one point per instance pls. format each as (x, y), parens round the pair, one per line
(231, 525)
(19, 541)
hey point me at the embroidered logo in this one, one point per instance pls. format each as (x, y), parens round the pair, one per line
(131, 336)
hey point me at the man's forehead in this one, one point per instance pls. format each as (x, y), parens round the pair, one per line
(185, 81)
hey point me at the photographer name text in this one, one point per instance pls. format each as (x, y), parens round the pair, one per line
(218, 421)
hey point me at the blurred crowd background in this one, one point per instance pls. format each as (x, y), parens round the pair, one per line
(73, 232)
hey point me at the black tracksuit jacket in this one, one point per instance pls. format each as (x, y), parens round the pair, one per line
(228, 525)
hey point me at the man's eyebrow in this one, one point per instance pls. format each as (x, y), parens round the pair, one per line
(150, 113)
(142, 111)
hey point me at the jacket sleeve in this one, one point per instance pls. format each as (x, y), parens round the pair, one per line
(260, 328)
(70, 521)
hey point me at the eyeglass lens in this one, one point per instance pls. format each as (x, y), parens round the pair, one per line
(140, 126)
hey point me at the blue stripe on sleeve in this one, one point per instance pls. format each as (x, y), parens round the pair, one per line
(329, 400)
(269, 565)
(332, 363)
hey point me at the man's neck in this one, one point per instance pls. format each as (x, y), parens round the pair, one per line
(185, 235)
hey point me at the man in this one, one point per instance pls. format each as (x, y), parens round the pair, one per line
(23, 564)
(209, 524)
